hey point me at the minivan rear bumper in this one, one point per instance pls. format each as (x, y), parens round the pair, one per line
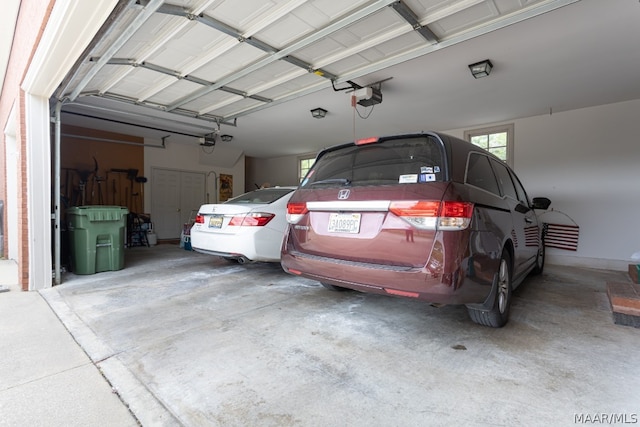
(457, 288)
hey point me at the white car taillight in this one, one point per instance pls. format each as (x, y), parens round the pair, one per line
(434, 214)
(254, 219)
(295, 211)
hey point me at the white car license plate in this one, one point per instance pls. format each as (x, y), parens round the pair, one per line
(344, 223)
(215, 221)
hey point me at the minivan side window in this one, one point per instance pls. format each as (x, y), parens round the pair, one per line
(522, 195)
(504, 178)
(480, 174)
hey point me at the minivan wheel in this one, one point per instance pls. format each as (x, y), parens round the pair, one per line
(539, 260)
(498, 315)
(333, 287)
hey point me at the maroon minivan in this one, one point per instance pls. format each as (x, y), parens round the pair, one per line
(425, 216)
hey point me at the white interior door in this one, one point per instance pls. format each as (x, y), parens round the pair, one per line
(165, 203)
(174, 194)
(191, 194)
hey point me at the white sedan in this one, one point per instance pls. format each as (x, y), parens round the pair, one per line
(246, 228)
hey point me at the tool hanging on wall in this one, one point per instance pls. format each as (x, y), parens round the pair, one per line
(113, 191)
(97, 182)
(141, 180)
(84, 175)
(131, 176)
(125, 197)
(68, 193)
(96, 185)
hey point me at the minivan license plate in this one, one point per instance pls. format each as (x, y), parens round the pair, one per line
(215, 221)
(344, 223)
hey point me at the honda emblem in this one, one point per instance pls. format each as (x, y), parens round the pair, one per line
(344, 194)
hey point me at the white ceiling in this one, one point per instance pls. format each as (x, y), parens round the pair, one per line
(257, 67)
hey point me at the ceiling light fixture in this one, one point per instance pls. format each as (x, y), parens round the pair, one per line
(319, 113)
(481, 69)
(226, 138)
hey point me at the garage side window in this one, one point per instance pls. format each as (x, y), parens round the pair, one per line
(496, 140)
(480, 174)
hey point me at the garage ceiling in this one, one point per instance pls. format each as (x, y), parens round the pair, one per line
(254, 68)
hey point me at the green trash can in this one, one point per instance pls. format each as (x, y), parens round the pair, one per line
(96, 238)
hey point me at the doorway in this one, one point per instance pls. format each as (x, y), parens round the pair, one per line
(176, 197)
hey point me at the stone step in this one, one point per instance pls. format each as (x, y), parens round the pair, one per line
(634, 272)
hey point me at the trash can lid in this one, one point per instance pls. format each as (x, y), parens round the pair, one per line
(99, 213)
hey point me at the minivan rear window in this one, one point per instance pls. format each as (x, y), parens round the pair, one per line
(391, 161)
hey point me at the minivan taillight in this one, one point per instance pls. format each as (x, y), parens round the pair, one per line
(433, 214)
(199, 219)
(295, 211)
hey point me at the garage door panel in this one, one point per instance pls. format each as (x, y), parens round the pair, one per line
(170, 93)
(260, 47)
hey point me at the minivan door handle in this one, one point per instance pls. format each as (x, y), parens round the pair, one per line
(528, 220)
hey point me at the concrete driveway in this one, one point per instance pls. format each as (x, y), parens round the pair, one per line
(189, 339)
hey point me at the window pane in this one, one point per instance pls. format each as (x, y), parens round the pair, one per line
(498, 139)
(392, 161)
(481, 141)
(305, 165)
(480, 173)
(505, 180)
(522, 195)
(500, 152)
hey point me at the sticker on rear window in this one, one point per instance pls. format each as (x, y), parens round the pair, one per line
(426, 169)
(436, 169)
(408, 179)
(306, 180)
(427, 177)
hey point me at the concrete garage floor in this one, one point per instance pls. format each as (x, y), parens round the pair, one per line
(188, 339)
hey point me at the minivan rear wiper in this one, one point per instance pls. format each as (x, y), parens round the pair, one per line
(343, 181)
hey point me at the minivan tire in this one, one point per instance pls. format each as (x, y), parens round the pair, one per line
(498, 315)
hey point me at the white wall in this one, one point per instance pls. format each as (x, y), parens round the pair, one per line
(586, 161)
(193, 158)
(276, 171)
